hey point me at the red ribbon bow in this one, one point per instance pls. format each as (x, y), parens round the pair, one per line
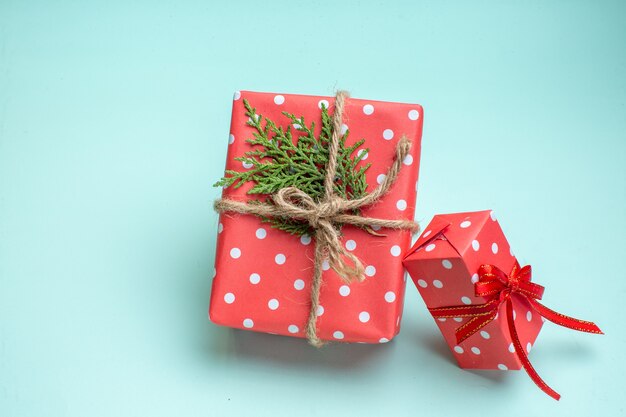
(498, 287)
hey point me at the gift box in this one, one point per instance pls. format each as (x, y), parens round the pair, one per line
(483, 301)
(262, 278)
(444, 264)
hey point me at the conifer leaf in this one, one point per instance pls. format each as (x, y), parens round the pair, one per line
(278, 160)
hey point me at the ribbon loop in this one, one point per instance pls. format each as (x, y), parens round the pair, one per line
(498, 287)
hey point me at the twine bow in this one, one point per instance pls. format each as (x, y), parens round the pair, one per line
(327, 215)
(498, 288)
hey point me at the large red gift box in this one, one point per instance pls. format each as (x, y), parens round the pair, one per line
(263, 275)
(444, 264)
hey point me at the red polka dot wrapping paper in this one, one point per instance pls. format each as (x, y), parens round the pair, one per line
(443, 264)
(263, 275)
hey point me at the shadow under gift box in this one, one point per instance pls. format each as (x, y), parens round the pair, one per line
(444, 263)
(263, 275)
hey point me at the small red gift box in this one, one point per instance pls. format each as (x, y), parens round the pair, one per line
(444, 265)
(481, 298)
(263, 275)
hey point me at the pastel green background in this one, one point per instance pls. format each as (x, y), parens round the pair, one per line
(114, 119)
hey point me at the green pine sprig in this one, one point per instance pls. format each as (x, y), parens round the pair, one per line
(277, 161)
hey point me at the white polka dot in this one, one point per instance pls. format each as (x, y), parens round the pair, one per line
(248, 323)
(376, 228)
(305, 239)
(293, 328)
(368, 109)
(383, 340)
(492, 215)
(494, 248)
(390, 296)
(229, 298)
(395, 250)
(430, 247)
(325, 265)
(370, 270)
(529, 316)
(255, 278)
(280, 259)
(298, 284)
(475, 278)
(475, 245)
(322, 103)
(231, 139)
(475, 350)
(344, 128)
(458, 349)
(235, 253)
(446, 264)
(528, 347)
(350, 245)
(297, 126)
(441, 319)
(414, 114)
(437, 283)
(466, 300)
(458, 319)
(237, 95)
(220, 228)
(272, 304)
(512, 348)
(344, 290)
(427, 233)
(320, 310)
(408, 160)
(247, 165)
(485, 334)
(364, 316)
(380, 178)
(261, 233)
(502, 367)
(338, 335)
(387, 134)
(363, 154)
(279, 99)
(465, 224)
(422, 283)
(401, 205)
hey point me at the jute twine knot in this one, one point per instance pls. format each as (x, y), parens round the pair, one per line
(301, 206)
(327, 215)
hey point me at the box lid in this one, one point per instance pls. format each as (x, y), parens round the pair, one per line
(460, 238)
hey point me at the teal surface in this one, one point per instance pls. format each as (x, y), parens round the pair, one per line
(114, 121)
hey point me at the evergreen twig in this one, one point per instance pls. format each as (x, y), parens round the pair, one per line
(277, 162)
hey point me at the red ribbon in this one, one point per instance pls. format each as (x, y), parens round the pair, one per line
(498, 288)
